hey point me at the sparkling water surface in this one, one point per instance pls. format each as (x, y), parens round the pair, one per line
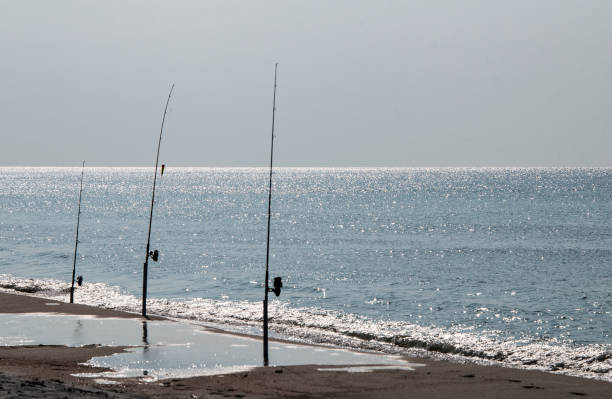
(506, 264)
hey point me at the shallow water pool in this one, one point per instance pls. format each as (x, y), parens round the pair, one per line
(167, 349)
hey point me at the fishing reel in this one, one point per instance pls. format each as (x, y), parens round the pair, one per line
(154, 255)
(278, 284)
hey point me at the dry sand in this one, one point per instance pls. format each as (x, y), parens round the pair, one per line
(45, 372)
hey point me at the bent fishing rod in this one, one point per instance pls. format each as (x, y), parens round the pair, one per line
(153, 254)
(277, 280)
(76, 240)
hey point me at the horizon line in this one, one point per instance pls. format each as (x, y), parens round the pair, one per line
(308, 167)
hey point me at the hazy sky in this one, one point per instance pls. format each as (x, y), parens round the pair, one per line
(361, 83)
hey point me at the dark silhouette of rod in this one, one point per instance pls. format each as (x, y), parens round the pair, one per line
(267, 290)
(145, 336)
(146, 262)
(76, 240)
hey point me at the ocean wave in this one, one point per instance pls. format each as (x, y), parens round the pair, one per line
(316, 325)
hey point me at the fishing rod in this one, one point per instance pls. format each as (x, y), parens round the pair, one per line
(76, 240)
(277, 280)
(153, 254)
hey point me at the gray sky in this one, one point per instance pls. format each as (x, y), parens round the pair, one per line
(361, 83)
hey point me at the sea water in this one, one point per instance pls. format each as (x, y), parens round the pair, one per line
(503, 265)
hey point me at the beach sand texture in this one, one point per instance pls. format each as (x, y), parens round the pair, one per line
(47, 371)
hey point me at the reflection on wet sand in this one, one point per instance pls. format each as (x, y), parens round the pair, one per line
(165, 349)
(145, 334)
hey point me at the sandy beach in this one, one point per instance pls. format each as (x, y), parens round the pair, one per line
(46, 371)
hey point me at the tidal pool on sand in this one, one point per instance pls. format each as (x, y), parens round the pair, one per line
(166, 349)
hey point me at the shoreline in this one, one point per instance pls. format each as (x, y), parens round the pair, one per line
(46, 370)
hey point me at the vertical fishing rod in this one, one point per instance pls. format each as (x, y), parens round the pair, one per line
(76, 240)
(267, 285)
(153, 254)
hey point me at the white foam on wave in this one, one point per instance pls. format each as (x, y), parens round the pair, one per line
(314, 325)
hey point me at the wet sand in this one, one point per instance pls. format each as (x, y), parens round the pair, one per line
(45, 371)
(21, 303)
